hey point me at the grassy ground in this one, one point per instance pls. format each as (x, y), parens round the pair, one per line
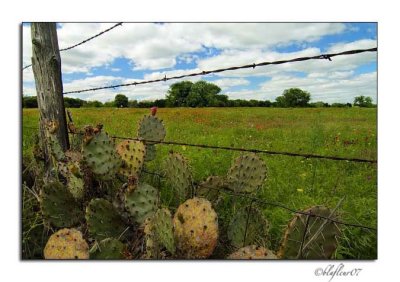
(293, 181)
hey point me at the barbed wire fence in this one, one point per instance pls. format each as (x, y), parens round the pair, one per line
(252, 199)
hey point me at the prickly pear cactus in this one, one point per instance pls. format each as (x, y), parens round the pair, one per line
(179, 176)
(195, 229)
(141, 202)
(66, 244)
(320, 241)
(103, 220)
(247, 173)
(163, 229)
(256, 231)
(109, 248)
(132, 154)
(151, 128)
(210, 188)
(76, 186)
(59, 206)
(51, 136)
(100, 155)
(253, 252)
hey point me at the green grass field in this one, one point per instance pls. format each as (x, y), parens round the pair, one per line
(294, 181)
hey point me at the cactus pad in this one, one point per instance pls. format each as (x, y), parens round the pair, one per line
(195, 228)
(132, 154)
(320, 241)
(54, 145)
(76, 186)
(257, 228)
(141, 202)
(163, 229)
(253, 252)
(59, 206)
(66, 244)
(151, 128)
(100, 155)
(103, 220)
(109, 248)
(247, 173)
(178, 174)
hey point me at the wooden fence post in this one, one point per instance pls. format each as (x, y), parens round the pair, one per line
(46, 65)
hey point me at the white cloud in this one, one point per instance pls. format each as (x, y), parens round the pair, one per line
(152, 46)
(325, 88)
(226, 83)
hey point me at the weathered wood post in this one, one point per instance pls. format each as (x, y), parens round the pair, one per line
(46, 65)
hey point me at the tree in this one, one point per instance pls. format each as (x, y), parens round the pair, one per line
(121, 101)
(29, 102)
(362, 101)
(293, 97)
(199, 94)
(177, 93)
(73, 102)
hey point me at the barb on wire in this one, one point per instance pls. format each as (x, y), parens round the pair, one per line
(84, 41)
(165, 78)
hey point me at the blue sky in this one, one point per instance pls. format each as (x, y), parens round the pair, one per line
(141, 51)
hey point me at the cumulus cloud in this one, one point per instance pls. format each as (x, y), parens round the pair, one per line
(151, 46)
(342, 87)
(159, 48)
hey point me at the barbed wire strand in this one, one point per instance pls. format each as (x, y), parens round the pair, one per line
(165, 78)
(268, 152)
(84, 41)
(290, 154)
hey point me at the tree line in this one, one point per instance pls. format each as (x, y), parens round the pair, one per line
(206, 94)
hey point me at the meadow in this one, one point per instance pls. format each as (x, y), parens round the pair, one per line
(293, 181)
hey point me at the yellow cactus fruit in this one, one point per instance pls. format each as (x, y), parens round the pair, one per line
(66, 244)
(195, 229)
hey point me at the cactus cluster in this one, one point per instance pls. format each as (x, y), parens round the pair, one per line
(100, 190)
